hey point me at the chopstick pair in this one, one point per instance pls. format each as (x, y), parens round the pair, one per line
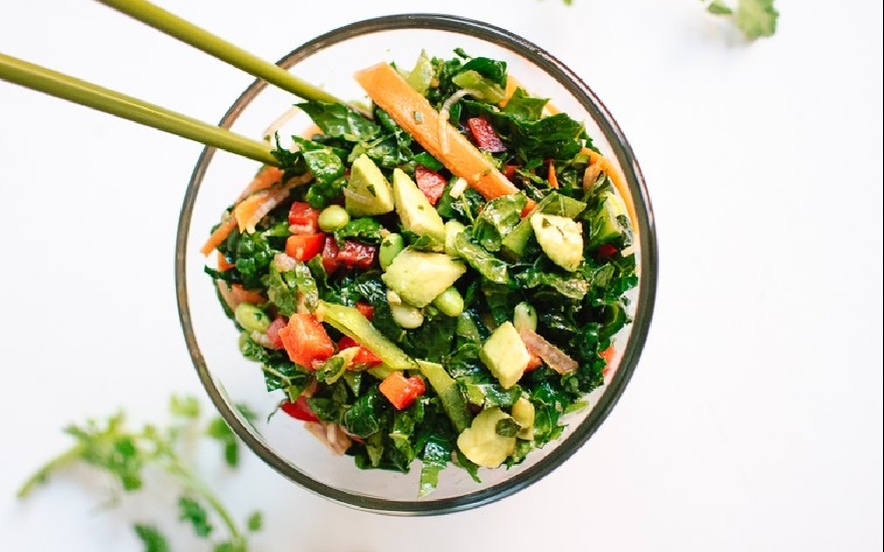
(91, 95)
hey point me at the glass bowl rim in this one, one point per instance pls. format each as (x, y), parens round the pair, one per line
(647, 281)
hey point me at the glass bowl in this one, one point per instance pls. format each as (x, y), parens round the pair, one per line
(330, 61)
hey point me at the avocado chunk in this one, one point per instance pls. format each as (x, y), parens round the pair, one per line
(418, 277)
(560, 238)
(367, 193)
(452, 229)
(414, 209)
(505, 355)
(449, 393)
(481, 443)
(553, 204)
(610, 223)
(523, 414)
(350, 322)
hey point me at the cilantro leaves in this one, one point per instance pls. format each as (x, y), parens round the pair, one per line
(755, 18)
(126, 455)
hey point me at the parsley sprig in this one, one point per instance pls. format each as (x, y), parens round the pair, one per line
(125, 454)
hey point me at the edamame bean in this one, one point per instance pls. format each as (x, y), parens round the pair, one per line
(251, 318)
(450, 302)
(407, 316)
(525, 316)
(333, 217)
(391, 246)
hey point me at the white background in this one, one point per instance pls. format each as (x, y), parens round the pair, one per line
(754, 420)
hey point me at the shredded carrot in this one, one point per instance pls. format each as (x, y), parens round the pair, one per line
(551, 175)
(617, 180)
(219, 235)
(234, 295)
(252, 209)
(266, 177)
(392, 93)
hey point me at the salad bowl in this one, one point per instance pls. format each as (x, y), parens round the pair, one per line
(216, 345)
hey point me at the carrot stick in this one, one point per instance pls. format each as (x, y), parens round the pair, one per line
(252, 209)
(413, 112)
(218, 236)
(551, 175)
(266, 177)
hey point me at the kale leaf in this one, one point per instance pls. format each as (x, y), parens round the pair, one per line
(340, 121)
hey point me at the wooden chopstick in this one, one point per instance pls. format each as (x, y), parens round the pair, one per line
(201, 39)
(91, 95)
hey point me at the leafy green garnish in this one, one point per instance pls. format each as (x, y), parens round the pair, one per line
(126, 455)
(151, 538)
(221, 432)
(255, 522)
(192, 511)
(755, 18)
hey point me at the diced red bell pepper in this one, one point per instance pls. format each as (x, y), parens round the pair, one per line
(299, 410)
(366, 309)
(485, 135)
(305, 340)
(355, 254)
(364, 357)
(330, 251)
(303, 219)
(304, 247)
(402, 391)
(273, 331)
(509, 171)
(430, 182)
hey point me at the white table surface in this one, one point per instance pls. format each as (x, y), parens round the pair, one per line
(754, 420)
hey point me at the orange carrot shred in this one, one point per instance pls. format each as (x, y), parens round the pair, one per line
(218, 236)
(551, 175)
(392, 93)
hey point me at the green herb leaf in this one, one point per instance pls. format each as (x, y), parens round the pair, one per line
(255, 521)
(187, 407)
(192, 511)
(755, 18)
(151, 538)
(717, 7)
(124, 453)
